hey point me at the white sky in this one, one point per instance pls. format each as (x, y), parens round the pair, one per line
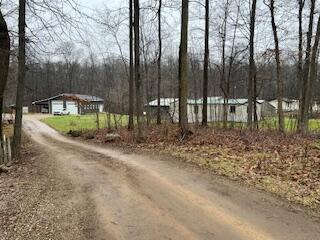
(97, 38)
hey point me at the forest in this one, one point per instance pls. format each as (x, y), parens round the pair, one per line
(234, 49)
(159, 119)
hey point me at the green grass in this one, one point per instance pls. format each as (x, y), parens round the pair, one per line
(272, 124)
(290, 124)
(84, 122)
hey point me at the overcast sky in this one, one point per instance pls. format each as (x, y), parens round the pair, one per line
(90, 36)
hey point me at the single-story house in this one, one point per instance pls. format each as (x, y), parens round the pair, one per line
(71, 103)
(152, 107)
(292, 105)
(288, 105)
(237, 110)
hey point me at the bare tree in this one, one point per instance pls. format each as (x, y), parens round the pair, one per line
(4, 62)
(303, 118)
(313, 69)
(146, 43)
(183, 70)
(21, 79)
(206, 66)
(252, 66)
(69, 54)
(159, 63)
(138, 82)
(271, 6)
(224, 82)
(301, 4)
(131, 77)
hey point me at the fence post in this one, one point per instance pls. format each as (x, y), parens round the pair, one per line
(9, 150)
(4, 147)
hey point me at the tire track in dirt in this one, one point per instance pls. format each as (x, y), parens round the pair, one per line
(139, 198)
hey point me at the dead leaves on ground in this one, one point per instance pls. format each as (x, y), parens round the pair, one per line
(288, 165)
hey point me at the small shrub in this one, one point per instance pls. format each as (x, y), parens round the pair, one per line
(75, 133)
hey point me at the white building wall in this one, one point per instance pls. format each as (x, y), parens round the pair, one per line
(101, 107)
(215, 113)
(72, 107)
(56, 105)
(286, 106)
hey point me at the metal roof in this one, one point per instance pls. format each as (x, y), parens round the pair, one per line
(220, 101)
(288, 100)
(164, 102)
(81, 97)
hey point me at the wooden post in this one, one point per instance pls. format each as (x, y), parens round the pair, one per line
(4, 147)
(98, 120)
(9, 150)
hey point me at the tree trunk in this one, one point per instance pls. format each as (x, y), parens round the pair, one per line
(255, 96)
(137, 69)
(279, 76)
(300, 54)
(159, 64)
(303, 123)
(4, 62)
(251, 64)
(131, 77)
(224, 83)
(206, 66)
(183, 70)
(313, 71)
(21, 79)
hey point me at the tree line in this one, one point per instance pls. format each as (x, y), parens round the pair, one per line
(235, 67)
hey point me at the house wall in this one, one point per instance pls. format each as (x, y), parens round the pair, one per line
(60, 105)
(174, 112)
(72, 107)
(215, 113)
(91, 107)
(286, 106)
(153, 111)
(268, 110)
(194, 112)
(101, 107)
(56, 105)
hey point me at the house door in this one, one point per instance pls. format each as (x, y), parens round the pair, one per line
(57, 106)
(72, 107)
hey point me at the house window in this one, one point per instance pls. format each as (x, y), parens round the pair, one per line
(232, 109)
(196, 109)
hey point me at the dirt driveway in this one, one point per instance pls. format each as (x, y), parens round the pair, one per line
(136, 197)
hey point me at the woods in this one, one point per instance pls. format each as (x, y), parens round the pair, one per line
(136, 108)
(221, 53)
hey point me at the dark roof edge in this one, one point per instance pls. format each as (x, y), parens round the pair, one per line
(97, 99)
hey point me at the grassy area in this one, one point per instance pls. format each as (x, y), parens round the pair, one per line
(290, 124)
(84, 122)
(272, 124)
